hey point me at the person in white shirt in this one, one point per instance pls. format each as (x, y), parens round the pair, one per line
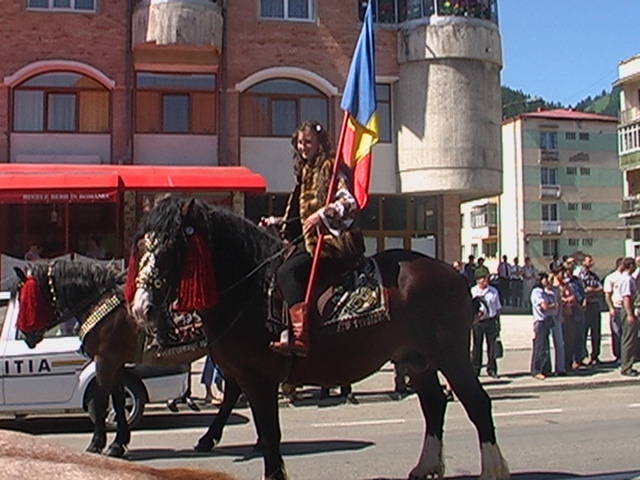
(611, 288)
(486, 324)
(627, 319)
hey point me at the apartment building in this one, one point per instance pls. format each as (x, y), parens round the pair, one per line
(629, 150)
(561, 190)
(206, 83)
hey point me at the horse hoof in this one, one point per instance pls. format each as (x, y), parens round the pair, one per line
(435, 474)
(94, 449)
(493, 465)
(205, 445)
(116, 451)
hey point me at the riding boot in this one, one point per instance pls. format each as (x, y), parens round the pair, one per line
(299, 345)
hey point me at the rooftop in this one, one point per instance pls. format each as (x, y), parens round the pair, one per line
(564, 114)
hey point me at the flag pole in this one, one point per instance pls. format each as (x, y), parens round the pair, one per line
(330, 193)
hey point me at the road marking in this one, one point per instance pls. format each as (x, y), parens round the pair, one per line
(359, 424)
(527, 412)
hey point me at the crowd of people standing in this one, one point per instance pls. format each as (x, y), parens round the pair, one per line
(566, 301)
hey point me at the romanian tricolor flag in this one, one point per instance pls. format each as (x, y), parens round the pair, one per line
(360, 128)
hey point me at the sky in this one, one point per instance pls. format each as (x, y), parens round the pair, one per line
(566, 50)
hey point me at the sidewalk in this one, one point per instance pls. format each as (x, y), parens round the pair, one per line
(516, 335)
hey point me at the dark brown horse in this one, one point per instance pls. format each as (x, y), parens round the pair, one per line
(77, 290)
(430, 309)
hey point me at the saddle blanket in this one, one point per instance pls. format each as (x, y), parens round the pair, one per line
(359, 301)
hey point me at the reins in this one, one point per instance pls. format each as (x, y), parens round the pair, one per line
(260, 266)
(246, 277)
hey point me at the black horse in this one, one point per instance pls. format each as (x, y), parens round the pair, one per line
(430, 311)
(79, 290)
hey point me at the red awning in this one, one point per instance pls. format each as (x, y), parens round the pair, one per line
(45, 183)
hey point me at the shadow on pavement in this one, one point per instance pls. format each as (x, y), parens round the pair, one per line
(544, 476)
(244, 452)
(78, 423)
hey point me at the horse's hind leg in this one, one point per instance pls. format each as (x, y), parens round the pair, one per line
(433, 403)
(214, 433)
(478, 406)
(123, 434)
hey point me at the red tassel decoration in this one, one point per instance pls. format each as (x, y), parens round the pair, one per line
(34, 313)
(132, 274)
(197, 288)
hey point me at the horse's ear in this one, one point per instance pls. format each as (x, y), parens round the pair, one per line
(187, 207)
(21, 275)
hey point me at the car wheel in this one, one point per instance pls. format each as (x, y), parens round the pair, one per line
(134, 401)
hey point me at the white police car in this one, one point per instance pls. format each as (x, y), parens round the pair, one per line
(55, 377)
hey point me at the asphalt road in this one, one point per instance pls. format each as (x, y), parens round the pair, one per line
(547, 436)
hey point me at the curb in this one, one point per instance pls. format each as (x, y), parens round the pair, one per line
(494, 391)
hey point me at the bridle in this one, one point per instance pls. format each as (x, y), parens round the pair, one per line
(149, 274)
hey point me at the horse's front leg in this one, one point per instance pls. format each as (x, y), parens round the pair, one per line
(263, 399)
(214, 433)
(123, 435)
(100, 399)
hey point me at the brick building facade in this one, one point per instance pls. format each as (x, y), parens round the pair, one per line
(202, 82)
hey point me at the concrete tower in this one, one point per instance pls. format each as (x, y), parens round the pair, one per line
(449, 102)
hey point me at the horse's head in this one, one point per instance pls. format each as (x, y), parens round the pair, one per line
(173, 265)
(36, 315)
(52, 293)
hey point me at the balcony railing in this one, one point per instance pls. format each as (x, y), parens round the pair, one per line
(629, 115)
(550, 191)
(399, 11)
(178, 22)
(546, 155)
(550, 227)
(630, 207)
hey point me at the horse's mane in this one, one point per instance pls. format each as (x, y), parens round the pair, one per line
(237, 244)
(74, 282)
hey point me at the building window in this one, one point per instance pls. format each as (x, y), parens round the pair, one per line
(549, 212)
(484, 216)
(275, 108)
(584, 136)
(490, 249)
(175, 103)
(587, 242)
(585, 171)
(574, 242)
(383, 99)
(296, 10)
(570, 135)
(549, 247)
(586, 206)
(572, 171)
(61, 102)
(474, 249)
(62, 5)
(462, 220)
(548, 176)
(549, 140)
(572, 206)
